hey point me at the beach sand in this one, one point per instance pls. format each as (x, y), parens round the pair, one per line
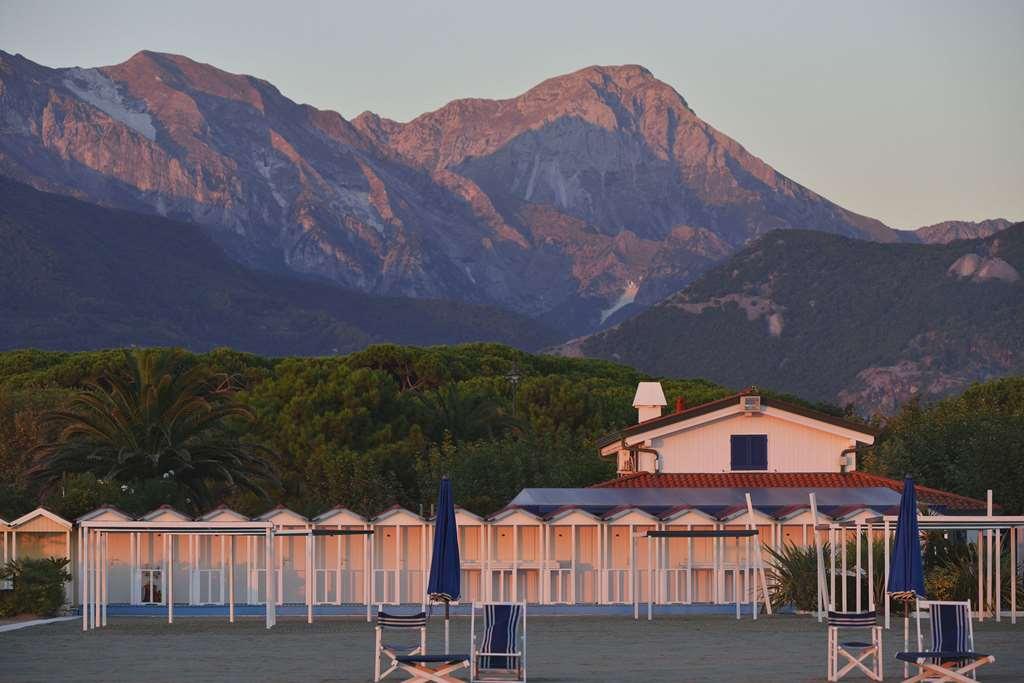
(705, 648)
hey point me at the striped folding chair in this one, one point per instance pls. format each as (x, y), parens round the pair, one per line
(501, 652)
(389, 625)
(952, 656)
(855, 652)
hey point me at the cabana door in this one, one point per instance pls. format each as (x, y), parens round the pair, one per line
(151, 586)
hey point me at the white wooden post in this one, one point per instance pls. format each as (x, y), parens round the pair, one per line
(83, 570)
(822, 592)
(650, 577)
(231, 579)
(871, 568)
(1013, 574)
(689, 566)
(833, 535)
(634, 594)
(857, 566)
(885, 553)
(97, 597)
(999, 584)
(170, 579)
(310, 575)
(988, 553)
(572, 564)
(981, 576)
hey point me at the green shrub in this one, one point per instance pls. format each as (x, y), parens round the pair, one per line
(38, 586)
(954, 575)
(793, 576)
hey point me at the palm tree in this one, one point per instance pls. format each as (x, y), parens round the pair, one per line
(154, 419)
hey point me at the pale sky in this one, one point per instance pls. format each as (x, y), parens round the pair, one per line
(911, 112)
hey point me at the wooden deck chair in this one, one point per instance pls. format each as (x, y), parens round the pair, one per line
(391, 624)
(952, 656)
(501, 653)
(855, 652)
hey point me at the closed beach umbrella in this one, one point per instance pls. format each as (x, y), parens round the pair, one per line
(445, 581)
(906, 571)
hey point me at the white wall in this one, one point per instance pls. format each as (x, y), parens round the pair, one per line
(791, 447)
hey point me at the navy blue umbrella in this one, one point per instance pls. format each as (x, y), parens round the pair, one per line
(906, 570)
(445, 581)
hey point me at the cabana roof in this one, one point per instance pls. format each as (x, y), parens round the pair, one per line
(278, 511)
(222, 512)
(569, 510)
(625, 510)
(165, 511)
(44, 513)
(398, 511)
(511, 511)
(338, 511)
(109, 511)
(468, 513)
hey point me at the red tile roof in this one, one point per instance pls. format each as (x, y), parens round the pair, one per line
(767, 480)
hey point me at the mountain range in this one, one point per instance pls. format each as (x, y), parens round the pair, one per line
(589, 192)
(564, 212)
(839, 320)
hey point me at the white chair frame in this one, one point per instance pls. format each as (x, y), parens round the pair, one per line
(380, 650)
(520, 654)
(931, 671)
(855, 661)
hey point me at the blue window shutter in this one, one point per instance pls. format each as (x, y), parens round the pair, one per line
(759, 452)
(738, 452)
(748, 451)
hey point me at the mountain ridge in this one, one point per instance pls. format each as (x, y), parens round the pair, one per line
(76, 276)
(839, 320)
(555, 203)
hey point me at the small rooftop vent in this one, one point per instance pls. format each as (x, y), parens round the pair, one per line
(751, 404)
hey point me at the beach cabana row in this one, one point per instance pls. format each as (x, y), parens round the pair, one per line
(565, 555)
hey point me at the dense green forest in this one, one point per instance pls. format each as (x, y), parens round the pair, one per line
(380, 426)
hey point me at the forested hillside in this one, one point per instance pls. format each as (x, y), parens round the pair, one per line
(380, 427)
(76, 276)
(840, 320)
(366, 430)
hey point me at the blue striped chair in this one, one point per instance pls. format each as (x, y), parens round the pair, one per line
(501, 652)
(393, 624)
(952, 656)
(854, 651)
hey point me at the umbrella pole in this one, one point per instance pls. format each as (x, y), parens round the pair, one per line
(906, 634)
(446, 605)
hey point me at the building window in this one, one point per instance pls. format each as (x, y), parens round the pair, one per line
(749, 451)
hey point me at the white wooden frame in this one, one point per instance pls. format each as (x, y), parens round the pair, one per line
(381, 650)
(855, 661)
(474, 654)
(929, 671)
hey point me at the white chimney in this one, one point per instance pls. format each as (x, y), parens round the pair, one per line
(648, 401)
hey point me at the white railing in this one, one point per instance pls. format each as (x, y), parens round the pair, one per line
(339, 587)
(560, 590)
(208, 584)
(399, 586)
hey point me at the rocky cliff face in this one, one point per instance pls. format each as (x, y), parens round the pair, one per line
(590, 192)
(947, 231)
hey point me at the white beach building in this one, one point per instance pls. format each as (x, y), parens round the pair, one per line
(689, 470)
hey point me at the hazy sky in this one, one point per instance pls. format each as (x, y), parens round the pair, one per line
(911, 112)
